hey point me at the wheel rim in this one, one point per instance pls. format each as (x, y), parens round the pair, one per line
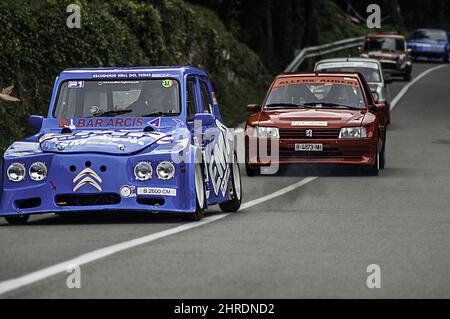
(199, 186)
(237, 179)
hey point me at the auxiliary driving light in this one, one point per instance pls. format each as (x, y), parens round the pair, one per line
(165, 170)
(16, 172)
(143, 171)
(38, 171)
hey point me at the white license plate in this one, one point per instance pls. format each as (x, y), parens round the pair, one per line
(156, 191)
(309, 147)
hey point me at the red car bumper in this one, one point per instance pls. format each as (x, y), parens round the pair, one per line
(335, 151)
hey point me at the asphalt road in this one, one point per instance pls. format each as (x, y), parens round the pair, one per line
(313, 242)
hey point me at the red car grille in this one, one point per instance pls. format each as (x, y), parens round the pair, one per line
(316, 133)
(389, 66)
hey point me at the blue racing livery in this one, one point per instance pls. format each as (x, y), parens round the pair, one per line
(124, 139)
(429, 45)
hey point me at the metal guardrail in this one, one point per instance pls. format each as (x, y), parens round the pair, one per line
(319, 50)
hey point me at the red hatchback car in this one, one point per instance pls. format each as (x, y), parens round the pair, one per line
(317, 118)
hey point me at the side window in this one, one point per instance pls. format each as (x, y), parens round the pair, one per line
(206, 98)
(191, 99)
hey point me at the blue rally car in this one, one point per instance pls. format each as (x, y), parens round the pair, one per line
(124, 139)
(429, 45)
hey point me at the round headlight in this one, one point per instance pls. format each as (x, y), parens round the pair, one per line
(16, 172)
(165, 170)
(143, 171)
(38, 171)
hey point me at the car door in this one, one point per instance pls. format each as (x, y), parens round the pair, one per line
(194, 106)
(218, 145)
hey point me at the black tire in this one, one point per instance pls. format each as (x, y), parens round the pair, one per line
(200, 196)
(251, 172)
(383, 155)
(408, 75)
(17, 220)
(446, 58)
(375, 168)
(233, 205)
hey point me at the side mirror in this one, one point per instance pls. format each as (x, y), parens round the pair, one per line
(375, 97)
(252, 108)
(205, 118)
(35, 121)
(377, 108)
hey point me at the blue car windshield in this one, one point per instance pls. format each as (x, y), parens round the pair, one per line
(83, 99)
(433, 35)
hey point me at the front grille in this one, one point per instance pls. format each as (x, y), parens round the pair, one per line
(87, 199)
(388, 66)
(317, 133)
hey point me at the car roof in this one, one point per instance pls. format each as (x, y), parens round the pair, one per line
(350, 59)
(318, 74)
(430, 29)
(169, 70)
(387, 35)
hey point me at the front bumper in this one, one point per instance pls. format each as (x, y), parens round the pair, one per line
(335, 151)
(56, 193)
(392, 68)
(428, 55)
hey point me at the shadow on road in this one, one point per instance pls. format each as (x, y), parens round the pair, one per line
(109, 217)
(318, 170)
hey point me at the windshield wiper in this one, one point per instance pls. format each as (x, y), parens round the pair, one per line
(157, 114)
(286, 105)
(111, 113)
(331, 105)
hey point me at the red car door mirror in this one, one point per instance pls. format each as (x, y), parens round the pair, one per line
(251, 108)
(380, 107)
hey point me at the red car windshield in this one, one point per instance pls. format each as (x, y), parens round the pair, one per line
(316, 92)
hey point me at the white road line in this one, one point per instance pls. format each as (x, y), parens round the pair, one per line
(13, 284)
(406, 88)
(278, 193)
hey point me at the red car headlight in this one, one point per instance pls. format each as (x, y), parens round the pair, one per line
(353, 132)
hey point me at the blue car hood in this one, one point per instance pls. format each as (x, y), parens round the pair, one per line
(428, 42)
(118, 142)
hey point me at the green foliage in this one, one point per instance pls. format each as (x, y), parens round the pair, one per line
(37, 46)
(334, 26)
